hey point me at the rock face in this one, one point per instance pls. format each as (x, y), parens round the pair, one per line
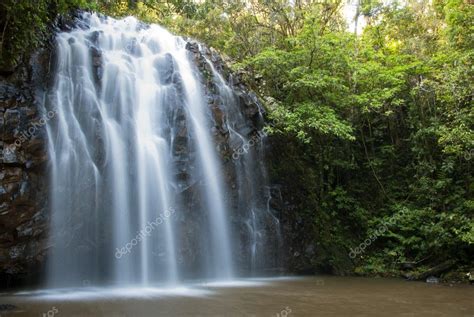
(23, 181)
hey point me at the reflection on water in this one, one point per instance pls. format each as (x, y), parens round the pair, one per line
(305, 296)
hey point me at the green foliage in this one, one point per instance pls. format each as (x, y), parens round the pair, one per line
(16, 19)
(459, 18)
(24, 24)
(309, 119)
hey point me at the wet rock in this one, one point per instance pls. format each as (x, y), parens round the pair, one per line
(94, 37)
(8, 92)
(97, 64)
(7, 307)
(65, 23)
(470, 276)
(98, 74)
(164, 67)
(432, 280)
(10, 154)
(17, 251)
(193, 47)
(96, 55)
(218, 115)
(6, 237)
(22, 180)
(10, 175)
(11, 123)
(25, 230)
(180, 145)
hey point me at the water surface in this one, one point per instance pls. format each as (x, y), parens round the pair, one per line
(308, 296)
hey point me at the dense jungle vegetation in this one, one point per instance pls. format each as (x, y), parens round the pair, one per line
(367, 125)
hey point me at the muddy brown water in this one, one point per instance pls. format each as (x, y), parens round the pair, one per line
(286, 297)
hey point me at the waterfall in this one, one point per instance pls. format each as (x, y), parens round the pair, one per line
(253, 194)
(138, 194)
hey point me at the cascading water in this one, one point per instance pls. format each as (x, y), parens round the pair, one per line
(253, 194)
(138, 194)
